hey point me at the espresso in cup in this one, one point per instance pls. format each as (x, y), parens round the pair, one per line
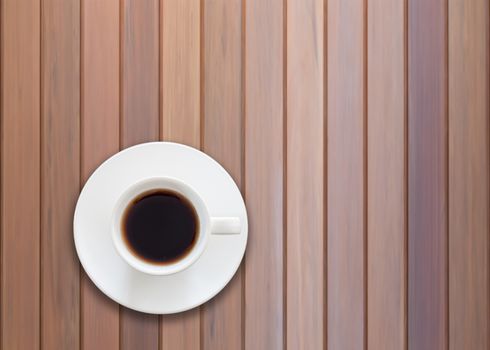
(160, 226)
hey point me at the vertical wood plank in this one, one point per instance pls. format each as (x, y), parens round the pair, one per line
(386, 175)
(427, 166)
(305, 177)
(20, 187)
(60, 173)
(264, 174)
(468, 175)
(222, 139)
(180, 122)
(180, 70)
(140, 123)
(100, 139)
(139, 72)
(346, 171)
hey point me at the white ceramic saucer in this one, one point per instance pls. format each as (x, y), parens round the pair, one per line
(116, 278)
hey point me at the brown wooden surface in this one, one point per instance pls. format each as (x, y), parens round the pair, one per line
(427, 175)
(305, 192)
(346, 182)
(357, 131)
(221, 133)
(180, 122)
(20, 175)
(468, 175)
(60, 173)
(139, 56)
(265, 316)
(386, 176)
(99, 317)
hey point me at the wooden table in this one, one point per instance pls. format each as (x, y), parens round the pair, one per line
(358, 132)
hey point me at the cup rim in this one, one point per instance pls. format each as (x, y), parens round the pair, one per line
(153, 183)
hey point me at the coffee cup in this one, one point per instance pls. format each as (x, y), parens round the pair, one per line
(161, 225)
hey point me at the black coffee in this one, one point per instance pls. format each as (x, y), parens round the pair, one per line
(160, 226)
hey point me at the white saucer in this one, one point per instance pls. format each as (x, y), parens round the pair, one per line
(149, 293)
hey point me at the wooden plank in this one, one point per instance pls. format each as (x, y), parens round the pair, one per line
(100, 139)
(140, 123)
(20, 187)
(346, 174)
(60, 173)
(180, 122)
(180, 70)
(222, 139)
(468, 175)
(139, 72)
(264, 174)
(180, 331)
(305, 175)
(427, 166)
(386, 176)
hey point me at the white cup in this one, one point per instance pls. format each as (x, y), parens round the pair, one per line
(207, 225)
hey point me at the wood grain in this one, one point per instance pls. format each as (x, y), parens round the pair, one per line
(20, 185)
(180, 122)
(346, 175)
(222, 139)
(139, 72)
(60, 173)
(264, 174)
(180, 331)
(468, 175)
(305, 174)
(140, 123)
(386, 180)
(180, 71)
(427, 166)
(100, 139)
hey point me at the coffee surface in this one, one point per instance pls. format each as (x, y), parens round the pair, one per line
(160, 226)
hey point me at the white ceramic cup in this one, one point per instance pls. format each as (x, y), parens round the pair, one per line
(207, 225)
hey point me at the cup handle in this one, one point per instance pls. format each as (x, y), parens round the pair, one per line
(225, 225)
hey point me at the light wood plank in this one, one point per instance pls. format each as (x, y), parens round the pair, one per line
(140, 123)
(20, 186)
(60, 173)
(222, 139)
(305, 175)
(427, 166)
(180, 331)
(345, 178)
(180, 71)
(468, 175)
(100, 139)
(264, 174)
(139, 75)
(180, 122)
(386, 176)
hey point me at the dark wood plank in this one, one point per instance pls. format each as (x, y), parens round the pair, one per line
(346, 171)
(222, 139)
(305, 175)
(100, 139)
(140, 123)
(60, 173)
(427, 166)
(20, 185)
(468, 174)
(264, 174)
(386, 176)
(180, 122)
